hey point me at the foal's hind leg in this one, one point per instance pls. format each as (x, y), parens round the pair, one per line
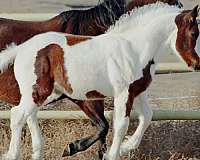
(19, 115)
(95, 111)
(33, 125)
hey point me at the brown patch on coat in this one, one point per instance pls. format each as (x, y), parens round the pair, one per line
(45, 82)
(49, 68)
(94, 94)
(58, 72)
(187, 35)
(138, 87)
(72, 39)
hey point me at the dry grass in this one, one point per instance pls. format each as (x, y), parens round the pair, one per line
(164, 140)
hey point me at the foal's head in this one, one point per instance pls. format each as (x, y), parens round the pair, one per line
(187, 35)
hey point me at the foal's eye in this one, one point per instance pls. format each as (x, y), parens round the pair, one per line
(193, 34)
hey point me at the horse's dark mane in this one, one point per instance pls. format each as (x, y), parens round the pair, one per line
(103, 15)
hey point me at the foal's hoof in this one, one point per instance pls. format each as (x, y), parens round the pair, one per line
(102, 151)
(36, 157)
(105, 157)
(96, 157)
(8, 157)
(69, 150)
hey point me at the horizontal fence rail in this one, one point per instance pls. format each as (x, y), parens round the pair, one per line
(79, 115)
(28, 16)
(172, 67)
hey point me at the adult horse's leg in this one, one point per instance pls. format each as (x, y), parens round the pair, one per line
(98, 106)
(33, 125)
(19, 115)
(145, 115)
(95, 111)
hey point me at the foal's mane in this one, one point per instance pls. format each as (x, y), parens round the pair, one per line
(142, 16)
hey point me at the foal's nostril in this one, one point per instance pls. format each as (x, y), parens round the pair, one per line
(197, 67)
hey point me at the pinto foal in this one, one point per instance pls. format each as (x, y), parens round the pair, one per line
(50, 72)
(91, 22)
(119, 67)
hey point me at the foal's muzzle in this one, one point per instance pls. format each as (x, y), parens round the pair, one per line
(197, 67)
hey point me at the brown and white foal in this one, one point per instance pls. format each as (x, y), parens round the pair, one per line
(119, 67)
(91, 22)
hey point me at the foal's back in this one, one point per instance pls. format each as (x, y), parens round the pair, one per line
(89, 65)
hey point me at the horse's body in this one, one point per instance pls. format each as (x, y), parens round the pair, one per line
(94, 21)
(119, 67)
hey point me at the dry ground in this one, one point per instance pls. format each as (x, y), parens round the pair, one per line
(164, 140)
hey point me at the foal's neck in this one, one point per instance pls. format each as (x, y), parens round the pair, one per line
(166, 31)
(152, 41)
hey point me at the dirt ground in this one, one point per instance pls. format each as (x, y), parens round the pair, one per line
(164, 140)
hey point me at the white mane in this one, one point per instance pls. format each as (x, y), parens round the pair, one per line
(142, 16)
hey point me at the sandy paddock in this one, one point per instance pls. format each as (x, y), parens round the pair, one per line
(164, 140)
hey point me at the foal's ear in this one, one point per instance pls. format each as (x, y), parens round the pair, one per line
(192, 15)
(195, 11)
(198, 11)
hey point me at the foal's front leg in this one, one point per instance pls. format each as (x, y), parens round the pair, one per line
(120, 124)
(145, 115)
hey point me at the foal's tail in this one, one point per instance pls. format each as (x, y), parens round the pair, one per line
(7, 57)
